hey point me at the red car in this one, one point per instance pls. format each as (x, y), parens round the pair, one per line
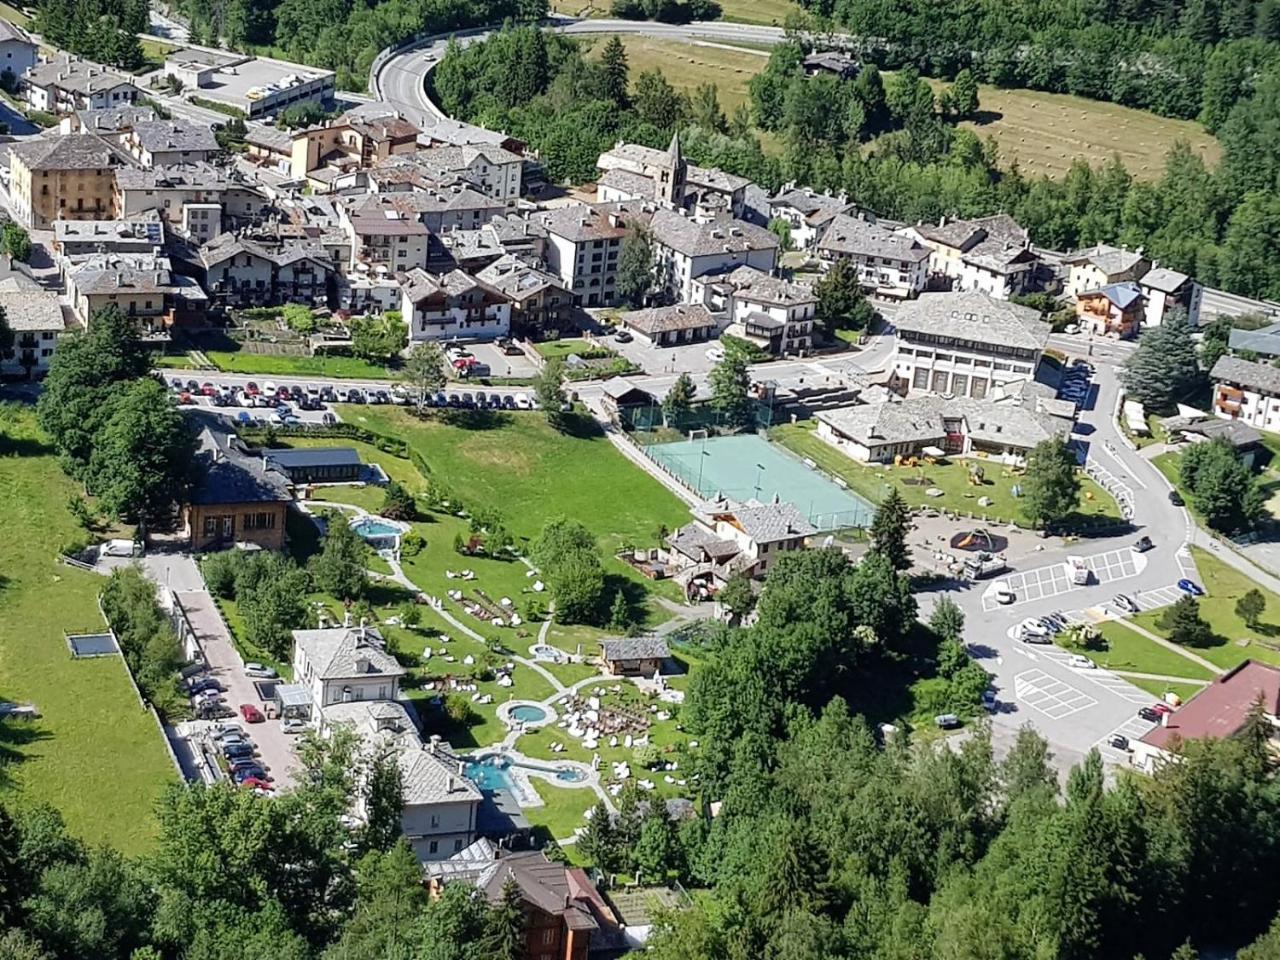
(1162, 708)
(251, 388)
(253, 783)
(185, 398)
(208, 389)
(251, 713)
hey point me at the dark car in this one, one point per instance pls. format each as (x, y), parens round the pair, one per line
(193, 386)
(1175, 498)
(380, 396)
(328, 395)
(1118, 741)
(237, 751)
(328, 419)
(1149, 714)
(241, 774)
(1142, 545)
(213, 710)
(199, 684)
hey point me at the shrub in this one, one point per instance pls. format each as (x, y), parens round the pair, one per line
(398, 503)
(412, 544)
(219, 570)
(458, 709)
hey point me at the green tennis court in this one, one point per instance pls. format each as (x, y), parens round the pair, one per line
(750, 467)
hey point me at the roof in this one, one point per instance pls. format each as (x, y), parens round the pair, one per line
(229, 475)
(1264, 340)
(762, 522)
(594, 221)
(162, 135)
(427, 778)
(694, 540)
(1164, 279)
(816, 208)
(833, 60)
(635, 648)
(627, 181)
(724, 234)
(923, 419)
(341, 653)
(1112, 261)
(419, 285)
(861, 238)
(976, 318)
(132, 272)
(312, 457)
(516, 279)
(176, 176)
(1221, 709)
(679, 316)
(1122, 295)
(11, 31)
(146, 229)
(75, 151)
(755, 286)
(78, 76)
(113, 119)
(28, 310)
(1247, 373)
(268, 137)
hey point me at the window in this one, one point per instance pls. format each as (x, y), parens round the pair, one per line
(457, 845)
(433, 846)
(260, 521)
(548, 936)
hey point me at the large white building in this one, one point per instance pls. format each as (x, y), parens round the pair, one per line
(807, 213)
(775, 314)
(584, 243)
(1247, 391)
(1164, 290)
(891, 264)
(35, 318)
(966, 344)
(68, 84)
(686, 248)
(490, 169)
(453, 306)
(991, 255)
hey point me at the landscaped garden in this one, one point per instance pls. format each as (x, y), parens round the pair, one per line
(1126, 651)
(94, 748)
(951, 476)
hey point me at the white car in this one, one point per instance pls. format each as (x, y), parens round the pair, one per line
(523, 402)
(1032, 626)
(293, 725)
(246, 400)
(252, 669)
(715, 354)
(269, 388)
(1001, 592)
(1082, 662)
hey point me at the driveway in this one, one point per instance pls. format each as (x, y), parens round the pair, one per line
(274, 746)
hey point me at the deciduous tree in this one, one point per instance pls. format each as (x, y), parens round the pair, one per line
(339, 568)
(1051, 487)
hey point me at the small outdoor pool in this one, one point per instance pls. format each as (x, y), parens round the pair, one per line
(494, 773)
(379, 532)
(528, 713)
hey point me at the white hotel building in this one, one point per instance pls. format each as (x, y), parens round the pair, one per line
(965, 344)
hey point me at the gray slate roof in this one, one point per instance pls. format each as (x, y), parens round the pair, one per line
(229, 475)
(334, 652)
(976, 318)
(32, 311)
(635, 648)
(517, 279)
(856, 237)
(1164, 279)
(723, 234)
(1265, 340)
(1110, 260)
(312, 457)
(163, 135)
(1247, 373)
(79, 76)
(75, 151)
(920, 420)
(679, 316)
(756, 286)
(426, 779)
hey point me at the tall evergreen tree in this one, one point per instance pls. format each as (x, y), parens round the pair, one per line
(1051, 487)
(614, 76)
(889, 530)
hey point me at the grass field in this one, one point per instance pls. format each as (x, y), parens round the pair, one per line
(1235, 641)
(1129, 650)
(95, 754)
(563, 811)
(563, 348)
(272, 365)
(14, 15)
(689, 65)
(951, 477)
(769, 12)
(1158, 688)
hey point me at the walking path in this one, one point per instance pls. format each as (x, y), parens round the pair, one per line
(1157, 676)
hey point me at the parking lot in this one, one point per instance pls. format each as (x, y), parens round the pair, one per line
(1132, 729)
(1054, 698)
(1054, 579)
(501, 364)
(685, 358)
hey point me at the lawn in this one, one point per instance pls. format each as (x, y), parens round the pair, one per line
(368, 496)
(689, 65)
(551, 349)
(14, 15)
(768, 12)
(563, 810)
(95, 755)
(1158, 688)
(265, 364)
(1131, 651)
(154, 53)
(1236, 642)
(951, 477)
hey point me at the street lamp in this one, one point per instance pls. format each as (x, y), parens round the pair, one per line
(702, 462)
(759, 471)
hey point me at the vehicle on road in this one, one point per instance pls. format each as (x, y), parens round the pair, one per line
(1081, 661)
(623, 336)
(989, 701)
(947, 721)
(253, 669)
(1002, 594)
(251, 713)
(1042, 639)
(1142, 545)
(1175, 498)
(1072, 328)
(1118, 741)
(1125, 603)
(1078, 570)
(293, 725)
(1033, 627)
(1147, 713)
(1191, 587)
(984, 565)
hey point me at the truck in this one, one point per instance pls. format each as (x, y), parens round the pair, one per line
(984, 565)
(1078, 570)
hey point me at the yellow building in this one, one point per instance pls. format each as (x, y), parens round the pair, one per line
(64, 178)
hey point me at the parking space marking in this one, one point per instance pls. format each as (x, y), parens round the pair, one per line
(1052, 697)
(1159, 597)
(1119, 686)
(1135, 728)
(1053, 580)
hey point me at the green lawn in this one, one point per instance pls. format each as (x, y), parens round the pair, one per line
(1235, 641)
(951, 476)
(563, 810)
(1158, 688)
(263, 364)
(563, 348)
(14, 15)
(1128, 650)
(95, 754)
(368, 497)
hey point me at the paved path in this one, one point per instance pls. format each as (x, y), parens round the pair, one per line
(1157, 676)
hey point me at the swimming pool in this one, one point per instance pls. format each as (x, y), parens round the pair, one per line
(528, 713)
(379, 532)
(495, 773)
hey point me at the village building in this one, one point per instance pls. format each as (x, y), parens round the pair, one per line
(670, 326)
(1101, 265)
(17, 51)
(1247, 391)
(254, 86)
(67, 84)
(686, 248)
(237, 501)
(990, 255)
(143, 286)
(35, 319)
(776, 315)
(60, 178)
(1164, 290)
(583, 244)
(1115, 310)
(540, 302)
(634, 656)
(807, 213)
(452, 306)
(889, 264)
(163, 143)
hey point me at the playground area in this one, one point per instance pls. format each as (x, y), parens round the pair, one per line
(749, 467)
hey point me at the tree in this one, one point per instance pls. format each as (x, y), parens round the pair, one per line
(547, 388)
(658, 847)
(15, 241)
(947, 619)
(704, 108)
(6, 333)
(1250, 607)
(1222, 486)
(13, 875)
(1165, 370)
(599, 842)
(424, 371)
(398, 503)
(730, 382)
(339, 567)
(1184, 624)
(272, 597)
(620, 613)
(613, 73)
(962, 98)
(635, 267)
(1051, 488)
(841, 303)
(566, 554)
(142, 455)
(737, 595)
(679, 400)
(781, 228)
(383, 786)
(889, 529)
(506, 923)
(390, 900)
(657, 104)
(378, 339)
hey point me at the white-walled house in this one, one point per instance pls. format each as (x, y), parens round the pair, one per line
(1101, 265)
(1247, 391)
(584, 243)
(454, 305)
(686, 248)
(36, 320)
(1164, 290)
(17, 49)
(774, 313)
(891, 264)
(342, 664)
(990, 255)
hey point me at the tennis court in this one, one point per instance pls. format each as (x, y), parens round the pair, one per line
(750, 467)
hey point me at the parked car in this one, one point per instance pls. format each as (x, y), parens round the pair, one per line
(522, 402)
(989, 701)
(254, 783)
(1147, 713)
(715, 354)
(1191, 587)
(252, 669)
(1161, 708)
(353, 396)
(177, 384)
(313, 391)
(206, 696)
(293, 725)
(248, 771)
(1118, 741)
(1001, 592)
(328, 394)
(228, 731)
(1082, 662)
(236, 751)
(1142, 545)
(251, 388)
(482, 400)
(213, 710)
(1175, 498)
(623, 336)
(329, 419)
(1125, 603)
(1033, 626)
(1035, 638)
(201, 684)
(1072, 328)
(508, 401)
(269, 388)
(947, 721)
(251, 713)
